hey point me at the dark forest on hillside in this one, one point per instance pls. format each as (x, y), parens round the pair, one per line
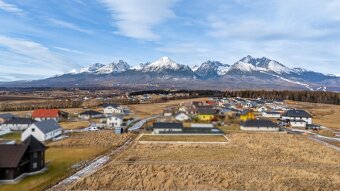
(305, 96)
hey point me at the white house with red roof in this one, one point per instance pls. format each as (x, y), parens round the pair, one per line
(46, 114)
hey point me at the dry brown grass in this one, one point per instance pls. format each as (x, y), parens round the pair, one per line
(250, 162)
(184, 138)
(324, 114)
(145, 110)
(104, 138)
(74, 124)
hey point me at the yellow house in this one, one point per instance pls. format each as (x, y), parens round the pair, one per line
(205, 114)
(247, 114)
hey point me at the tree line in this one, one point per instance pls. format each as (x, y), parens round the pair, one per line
(304, 96)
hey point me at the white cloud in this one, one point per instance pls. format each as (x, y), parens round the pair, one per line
(68, 25)
(11, 8)
(136, 19)
(68, 50)
(28, 58)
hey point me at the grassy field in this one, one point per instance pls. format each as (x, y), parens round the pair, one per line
(75, 124)
(63, 154)
(145, 110)
(60, 162)
(250, 162)
(184, 138)
(324, 114)
(12, 136)
(230, 128)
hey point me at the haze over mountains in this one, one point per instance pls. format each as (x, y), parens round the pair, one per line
(247, 73)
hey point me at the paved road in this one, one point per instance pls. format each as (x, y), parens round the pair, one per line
(315, 137)
(140, 123)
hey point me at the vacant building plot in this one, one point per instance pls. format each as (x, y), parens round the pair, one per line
(250, 162)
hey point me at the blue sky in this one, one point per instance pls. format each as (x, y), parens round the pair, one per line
(43, 38)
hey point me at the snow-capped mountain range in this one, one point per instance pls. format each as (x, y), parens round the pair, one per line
(246, 73)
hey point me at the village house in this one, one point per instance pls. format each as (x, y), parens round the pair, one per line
(43, 130)
(111, 109)
(182, 116)
(205, 113)
(6, 116)
(262, 109)
(177, 128)
(161, 127)
(271, 114)
(19, 160)
(90, 114)
(296, 117)
(168, 111)
(259, 125)
(46, 114)
(114, 121)
(17, 124)
(246, 115)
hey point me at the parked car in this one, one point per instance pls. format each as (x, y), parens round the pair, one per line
(93, 129)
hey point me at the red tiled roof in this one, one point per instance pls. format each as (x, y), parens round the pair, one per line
(45, 113)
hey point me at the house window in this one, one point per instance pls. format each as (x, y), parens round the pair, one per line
(35, 165)
(33, 129)
(35, 155)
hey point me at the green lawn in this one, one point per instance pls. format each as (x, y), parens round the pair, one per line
(12, 136)
(60, 161)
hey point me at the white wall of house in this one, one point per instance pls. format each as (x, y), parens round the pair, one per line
(38, 134)
(182, 117)
(158, 130)
(259, 128)
(16, 127)
(46, 118)
(298, 123)
(269, 115)
(308, 120)
(114, 121)
(167, 114)
(112, 110)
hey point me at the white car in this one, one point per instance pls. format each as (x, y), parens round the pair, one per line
(93, 129)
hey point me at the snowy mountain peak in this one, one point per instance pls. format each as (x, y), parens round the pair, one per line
(249, 63)
(247, 59)
(99, 68)
(212, 69)
(194, 68)
(164, 63)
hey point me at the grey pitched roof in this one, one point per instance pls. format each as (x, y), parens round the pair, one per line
(162, 125)
(20, 120)
(110, 104)
(90, 112)
(47, 126)
(7, 116)
(297, 113)
(206, 110)
(272, 112)
(259, 123)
